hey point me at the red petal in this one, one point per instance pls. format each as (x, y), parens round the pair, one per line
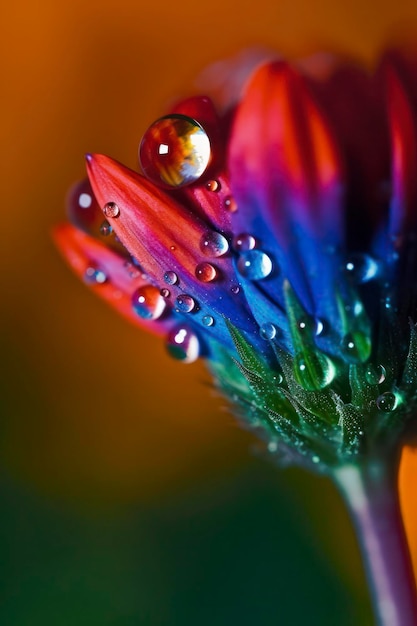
(123, 278)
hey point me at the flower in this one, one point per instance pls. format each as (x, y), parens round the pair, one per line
(277, 240)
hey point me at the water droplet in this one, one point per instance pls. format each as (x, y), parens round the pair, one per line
(214, 244)
(356, 347)
(170, 278)
(244, 242)
(213, 185)
(272, 446)
(235, 289)
(254, 264)
(313, 372)
(319, 327)
(111, 209)
(106, 229)
(230, 204)
(375, 374)
(315, 459)
(133, 270)
(175, 151)
(387, 402)
(185, 303)
(361, 268)
(205, 272)
(148, 303)
(208, 320)
(268, 331)
(183, 344)
(165, 293)
(94, 275)
(278, 378)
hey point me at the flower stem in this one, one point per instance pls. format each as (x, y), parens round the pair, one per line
(371, 494)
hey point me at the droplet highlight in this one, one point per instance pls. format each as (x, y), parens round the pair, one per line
(148, 302)
(214, 244)
(254, 264)
(175, 151)
(183, 344)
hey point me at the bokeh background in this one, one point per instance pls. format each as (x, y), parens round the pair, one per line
(128, 495)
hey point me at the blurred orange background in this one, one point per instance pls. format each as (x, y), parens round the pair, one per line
(94, 412)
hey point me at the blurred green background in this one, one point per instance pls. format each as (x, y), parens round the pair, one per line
(128, 494)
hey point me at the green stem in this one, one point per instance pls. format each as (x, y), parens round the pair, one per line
(371, 494)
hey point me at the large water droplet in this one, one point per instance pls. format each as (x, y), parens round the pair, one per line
(254, 264)
(94, 275)
(314, 371)
(268, 331)
(375, 374)
(185, 303)
(111, 209)
(214, 244)
(244, 242)
(361, 268)
(175, 151)
(170, 278)
(148, 302)
(183, 344)
(387, 402)
(205, 272)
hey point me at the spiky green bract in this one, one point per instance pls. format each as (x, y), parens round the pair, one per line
(361, 413)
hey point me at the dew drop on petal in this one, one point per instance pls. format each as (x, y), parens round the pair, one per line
(94, 275)
(268, 331)
(315, 371)
(148, 303)
(165, 293)
(214, 244)
(175, 151)
(213, 185)
(183, 344)
(355, 347)
(375, 374)
(361, 268)
(254, 264)
(387, 402)
(244, 242)
(208, 320)
(205, 272)
(106, 229)
(230, 204)
(111, 209)
(185, 303)
(170, 278)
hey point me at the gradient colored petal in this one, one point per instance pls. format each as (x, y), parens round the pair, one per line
(286, 178)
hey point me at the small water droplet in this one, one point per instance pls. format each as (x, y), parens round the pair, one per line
(375, 374)
(272, 446)
(185, 303)
(208, 320)
(230, 204)
(235, 289)
(148, 303)
(319, 327)
(361, 268)
(315, 371)
(205, 272)
(94, 275)
(278, 378)
(254, 264)
(356, 347)
(165, 293)
(111, 209)
(244, 242)
(183, 344)
(315, 459)
(387, 402)
(214, 244)
(175, 151)
(106, 229)
(213, 185)
(268, 331)
(171, 278)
